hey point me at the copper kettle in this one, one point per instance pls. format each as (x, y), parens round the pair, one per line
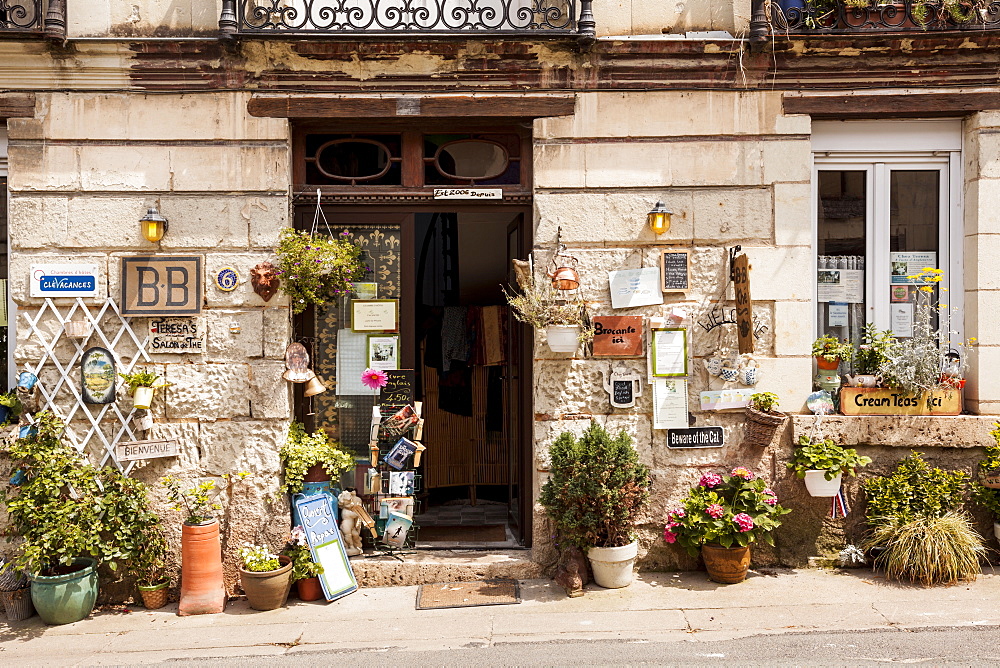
(565, 278)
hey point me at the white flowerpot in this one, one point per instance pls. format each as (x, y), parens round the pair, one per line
(612, 566)
(563, 338)
(818, 485)
(77, 329)
(143, 397)
(996, 530)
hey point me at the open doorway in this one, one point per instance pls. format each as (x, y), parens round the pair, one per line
(463, 353)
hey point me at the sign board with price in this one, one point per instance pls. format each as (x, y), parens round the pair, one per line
(744, 305)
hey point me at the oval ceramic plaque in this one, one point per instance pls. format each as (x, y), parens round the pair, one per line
(98, 376)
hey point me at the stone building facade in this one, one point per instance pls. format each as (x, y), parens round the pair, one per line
(157, 103)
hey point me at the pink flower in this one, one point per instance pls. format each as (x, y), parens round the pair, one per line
(742, 472)
(744, 522)
(772, 498)
(710, 480)
(715, 510)
(669, 536)
(677, 514)
(374, 379)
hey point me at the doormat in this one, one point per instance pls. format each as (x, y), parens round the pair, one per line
(491, 533)
(468, 594)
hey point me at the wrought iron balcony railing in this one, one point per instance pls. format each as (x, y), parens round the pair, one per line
(852, 16)
(406, 17)
(22, 16)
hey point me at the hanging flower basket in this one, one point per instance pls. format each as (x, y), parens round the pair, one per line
(759, 427)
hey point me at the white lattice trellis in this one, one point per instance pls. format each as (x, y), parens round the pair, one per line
(91, 428)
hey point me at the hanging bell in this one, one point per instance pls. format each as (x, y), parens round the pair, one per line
(314, 386)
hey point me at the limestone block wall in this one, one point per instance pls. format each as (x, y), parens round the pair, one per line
(82, 173)
(652, 17)
(142, 18)
(735, 171)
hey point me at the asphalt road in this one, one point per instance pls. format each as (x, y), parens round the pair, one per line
(966, 646)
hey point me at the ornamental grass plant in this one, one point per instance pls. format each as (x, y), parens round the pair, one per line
(731, 510)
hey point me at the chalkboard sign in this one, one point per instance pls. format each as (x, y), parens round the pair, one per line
(326, 545)
(623, 392)
(674, 273)
(696, 437)
(398, 389)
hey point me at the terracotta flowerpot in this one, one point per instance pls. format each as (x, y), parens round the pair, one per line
(268, 590)
(309, 589)
(202, 590)
(316, 473)
(823, 364)
(154, 596)
(727, 565)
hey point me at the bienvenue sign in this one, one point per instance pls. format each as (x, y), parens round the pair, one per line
(132, 450)
(63, 280)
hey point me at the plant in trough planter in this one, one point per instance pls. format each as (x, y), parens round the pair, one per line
(595, 492)
(71, 517)
(871, 354)
(265, 577)
(142, 385)
(316, 269)
(564, 320)
(721, 516)
(762, 419)
(914, 517)
(305, 572)
(202, 588)
(311, 456)
(822, 463)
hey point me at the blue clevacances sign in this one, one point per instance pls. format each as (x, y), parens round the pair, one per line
(63, 280)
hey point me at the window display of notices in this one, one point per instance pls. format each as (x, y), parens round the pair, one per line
(903, 265)
(846, 286)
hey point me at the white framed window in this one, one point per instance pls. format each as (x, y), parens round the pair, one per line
(887, 202)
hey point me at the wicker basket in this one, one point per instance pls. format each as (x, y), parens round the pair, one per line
(155, 596)
(759, 427)
(18, 604)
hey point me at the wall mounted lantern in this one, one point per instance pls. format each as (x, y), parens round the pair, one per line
(659, 218)
(153, 225)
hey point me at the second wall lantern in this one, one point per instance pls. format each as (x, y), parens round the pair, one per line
(153, 225)
(659, 218)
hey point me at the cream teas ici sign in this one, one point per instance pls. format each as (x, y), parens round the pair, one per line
(63, 280)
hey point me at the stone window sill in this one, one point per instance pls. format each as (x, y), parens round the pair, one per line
(958, 431)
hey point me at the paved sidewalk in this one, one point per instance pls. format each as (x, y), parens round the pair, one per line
(658, 606)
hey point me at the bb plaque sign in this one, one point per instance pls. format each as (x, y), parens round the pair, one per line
(162, 285)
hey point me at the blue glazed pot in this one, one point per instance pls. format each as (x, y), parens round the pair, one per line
(27, 430)
(64, 599)
(27, 380)
(791, 4)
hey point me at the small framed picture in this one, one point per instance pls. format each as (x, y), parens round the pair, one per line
(374, 315)
(383, 351)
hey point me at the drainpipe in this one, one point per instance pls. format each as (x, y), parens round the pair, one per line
(227, 20)
(586, 27)
(55, 20)
(759, 27)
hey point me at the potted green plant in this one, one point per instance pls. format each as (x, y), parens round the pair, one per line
(148, 566)
(141, 385)
(594, 494)
(305, 571)
(869, 357)
(10, 407)
(65, 535)
(829, 351)
(762, 419)
(317, 269)
(265, 577)
(720, 518)
(202, 587)
(989, 465)
(915, 520)
(822, 463)
(541, 306)
(311, 457)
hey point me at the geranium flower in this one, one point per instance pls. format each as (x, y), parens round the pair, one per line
(715, 510)
(742, 472)
(677, 514)
(710, 480)
(669, 536)
(374, 379)
(743, 521)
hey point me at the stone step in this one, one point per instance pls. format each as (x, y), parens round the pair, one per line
(429, 566)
